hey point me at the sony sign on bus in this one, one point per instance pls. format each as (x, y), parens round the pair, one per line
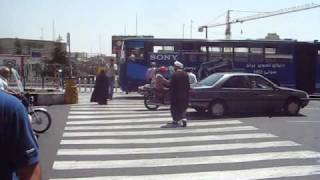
(164, 57)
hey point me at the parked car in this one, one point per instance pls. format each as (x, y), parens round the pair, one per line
(222, 93)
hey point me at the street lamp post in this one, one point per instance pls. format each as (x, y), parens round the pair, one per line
(206, 30)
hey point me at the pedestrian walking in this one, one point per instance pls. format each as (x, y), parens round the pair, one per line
(192, 76)
(19, 152)
(111, 71)
(179, 96)
(100, 92)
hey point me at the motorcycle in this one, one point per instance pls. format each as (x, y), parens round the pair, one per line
(39, 117)
(152, 99)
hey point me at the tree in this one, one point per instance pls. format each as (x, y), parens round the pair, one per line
(18, 46)
(272, 36)
(59, 56)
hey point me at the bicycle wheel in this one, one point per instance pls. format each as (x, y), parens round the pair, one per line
(41, 120)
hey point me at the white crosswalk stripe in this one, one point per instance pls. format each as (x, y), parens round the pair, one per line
(72, 128)
(67, 165)
(212, 147)
(169, 139)
(122, 140)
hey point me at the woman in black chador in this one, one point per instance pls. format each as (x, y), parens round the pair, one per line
(100, 92)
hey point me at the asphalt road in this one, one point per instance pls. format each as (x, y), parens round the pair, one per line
(123, 140)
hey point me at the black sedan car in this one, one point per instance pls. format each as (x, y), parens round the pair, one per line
(222, 93)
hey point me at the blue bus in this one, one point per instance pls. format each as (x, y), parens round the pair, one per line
(288, 63)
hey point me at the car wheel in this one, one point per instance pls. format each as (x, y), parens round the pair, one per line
(217, 109)
(292, 107)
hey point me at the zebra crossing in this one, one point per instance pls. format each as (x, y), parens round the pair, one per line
(123, 140)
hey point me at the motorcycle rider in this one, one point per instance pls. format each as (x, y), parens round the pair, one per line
(160, 83)
(4, 76)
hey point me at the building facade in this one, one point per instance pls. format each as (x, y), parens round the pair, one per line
(33, 48)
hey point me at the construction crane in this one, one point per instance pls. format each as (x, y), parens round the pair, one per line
(254, 17)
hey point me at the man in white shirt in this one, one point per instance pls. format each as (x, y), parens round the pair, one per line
(192, 77)
(4, 74)
(111, 71)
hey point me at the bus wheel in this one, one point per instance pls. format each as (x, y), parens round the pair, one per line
(292, 107)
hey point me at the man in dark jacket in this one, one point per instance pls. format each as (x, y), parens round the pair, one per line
(179, 96)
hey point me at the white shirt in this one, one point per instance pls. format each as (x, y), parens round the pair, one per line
(192, 78)
(111, 70)
(3, 84)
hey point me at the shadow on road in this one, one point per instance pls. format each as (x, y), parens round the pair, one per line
(198, 116)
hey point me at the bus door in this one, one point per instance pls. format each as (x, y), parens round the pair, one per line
(305, 62)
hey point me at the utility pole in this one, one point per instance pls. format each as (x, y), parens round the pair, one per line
(100, 44)
(53, 32)
(41, 37)
(136, 24)
(125, 29)
(183, 31)
(228, 28)
(191, 29)
(69, 54)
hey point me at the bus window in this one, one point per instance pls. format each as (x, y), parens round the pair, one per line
(203, 49)
(163, 49)
(227, 53)
(241, 54)
(214, 52)
(273, 55)
(135, 53)
(270, 50)
(227, 50)
(256, 50)
(214, 49)
(256, 55)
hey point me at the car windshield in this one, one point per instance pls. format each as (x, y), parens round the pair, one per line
(210, 80)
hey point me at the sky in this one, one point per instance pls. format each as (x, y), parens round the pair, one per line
(92, 23)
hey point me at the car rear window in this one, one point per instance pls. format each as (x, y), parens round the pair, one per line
(210, 80)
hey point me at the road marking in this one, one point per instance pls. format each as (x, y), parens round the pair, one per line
(169, 139)
(165, 162)
(130, 102)
(107, 108)
(137, 120)
(159, 132)
(111, 105)
(122, 121)
(116, 116)
(246, 174)
(311, 108)
(126, 112)
(176, 149)
(110, 127)
(303, 121)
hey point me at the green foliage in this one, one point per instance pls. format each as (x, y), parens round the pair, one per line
(18, 46)
(59, 56)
